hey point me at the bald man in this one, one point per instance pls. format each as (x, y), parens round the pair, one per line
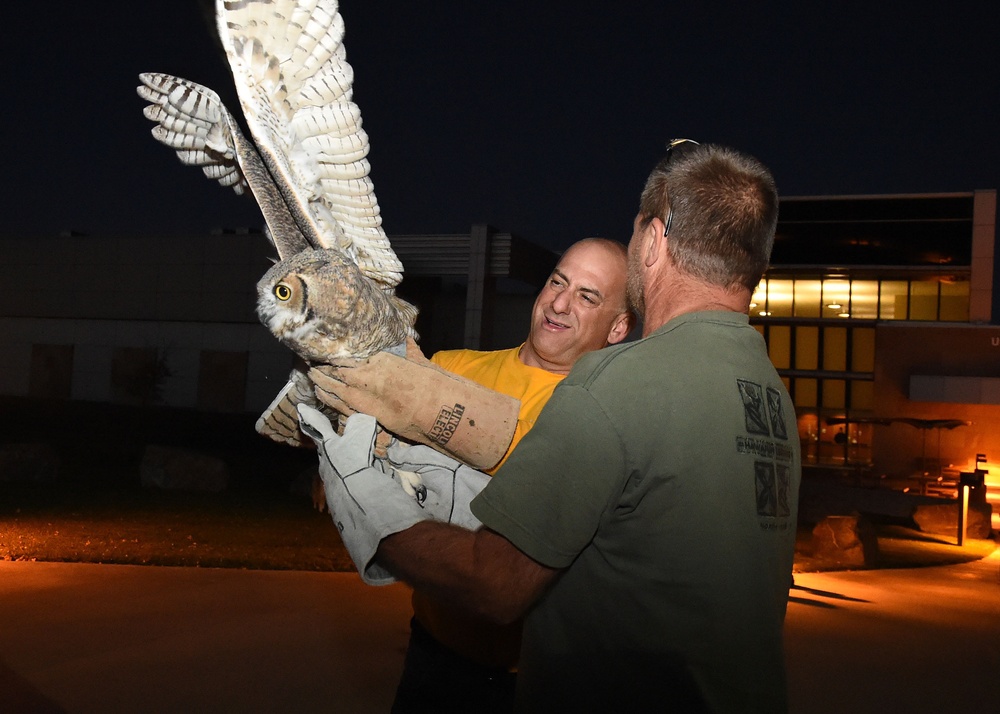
(456, 660)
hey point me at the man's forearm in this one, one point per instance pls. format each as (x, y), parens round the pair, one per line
(422, 402)
(479, 570)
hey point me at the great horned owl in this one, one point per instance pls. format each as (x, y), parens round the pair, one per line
(319, 304)
(333, 293)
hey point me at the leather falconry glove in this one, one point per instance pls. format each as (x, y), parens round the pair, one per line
(366, 504)
(443, 486)
(421, 402)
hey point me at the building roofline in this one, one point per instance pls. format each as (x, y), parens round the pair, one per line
(883, 196)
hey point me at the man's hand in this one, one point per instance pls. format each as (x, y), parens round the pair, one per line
(421, 402)
(366, 504)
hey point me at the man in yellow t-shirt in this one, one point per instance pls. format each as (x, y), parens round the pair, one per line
(581, 308)
(456, 661)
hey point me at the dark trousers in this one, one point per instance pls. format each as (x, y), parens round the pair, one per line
(436, 679)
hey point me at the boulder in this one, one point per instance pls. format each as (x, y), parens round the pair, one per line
(942, 519)
(845, 541)
(169, 467)
(28, 462)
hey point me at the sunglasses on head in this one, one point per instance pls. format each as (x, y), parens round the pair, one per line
(676, 147)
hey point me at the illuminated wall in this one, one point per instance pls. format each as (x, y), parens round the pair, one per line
(820, 333)
(964, 364)
(843, 270)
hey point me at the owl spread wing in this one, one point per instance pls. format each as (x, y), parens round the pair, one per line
(193, 120)
(295, 88)
(306, 164)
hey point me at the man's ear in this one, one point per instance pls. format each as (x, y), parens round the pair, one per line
(654, 243)
(620, 328)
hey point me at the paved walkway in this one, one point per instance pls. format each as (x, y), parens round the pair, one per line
(82, 638)
(78, 638)
(911, 641)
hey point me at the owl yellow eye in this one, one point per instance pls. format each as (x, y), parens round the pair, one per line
(282, 292)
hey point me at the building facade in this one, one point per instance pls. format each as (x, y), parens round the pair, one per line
(170, 320)
(878, 312)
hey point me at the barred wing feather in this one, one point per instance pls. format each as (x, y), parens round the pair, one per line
(192, 120)
(295, 88)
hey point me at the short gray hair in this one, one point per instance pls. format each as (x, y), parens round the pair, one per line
(723, 210)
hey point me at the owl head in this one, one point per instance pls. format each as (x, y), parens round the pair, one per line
(320, 304)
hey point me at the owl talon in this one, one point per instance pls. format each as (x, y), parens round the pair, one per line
(413, 485)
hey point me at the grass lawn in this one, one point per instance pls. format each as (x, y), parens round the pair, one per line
(91, 508)
(264, 529)
(238, 529)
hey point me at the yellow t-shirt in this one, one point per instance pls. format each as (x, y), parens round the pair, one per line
(502, 371)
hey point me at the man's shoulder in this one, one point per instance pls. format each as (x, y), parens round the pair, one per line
(446, 358)
(673, 343)
(593, 365)
(675, 336)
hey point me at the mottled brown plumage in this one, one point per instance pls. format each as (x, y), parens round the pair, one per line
(321, 306)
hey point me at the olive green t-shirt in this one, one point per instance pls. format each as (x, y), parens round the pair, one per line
(662, 478)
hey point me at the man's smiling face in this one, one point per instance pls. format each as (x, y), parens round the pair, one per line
(579, 309)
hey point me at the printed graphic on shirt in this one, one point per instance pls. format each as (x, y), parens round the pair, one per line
(772, 489)
(777, 413)
(753, 407)
(764, 417)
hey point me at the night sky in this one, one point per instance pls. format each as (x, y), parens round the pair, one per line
(540, 118)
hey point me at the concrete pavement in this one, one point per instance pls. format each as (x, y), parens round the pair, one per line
(913, 640)
(79, 638)
(82, 638)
